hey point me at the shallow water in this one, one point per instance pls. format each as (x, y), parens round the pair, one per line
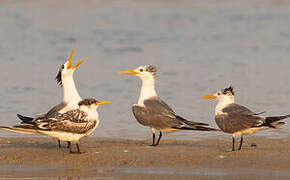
(40, 172)
(198, 48)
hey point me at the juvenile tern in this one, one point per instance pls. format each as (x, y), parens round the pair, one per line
(71, 96)
(70, 126)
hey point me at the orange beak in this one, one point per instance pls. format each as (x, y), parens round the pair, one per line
(102, 102)
(209, 96)
(69, 64)
(77, 64)
(129, 72)
(70, 59)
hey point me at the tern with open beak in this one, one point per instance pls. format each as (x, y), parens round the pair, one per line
(71, 96)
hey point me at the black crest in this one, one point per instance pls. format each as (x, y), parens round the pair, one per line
(152, 69)
(229, 91)
(87, 102)
(58, 76)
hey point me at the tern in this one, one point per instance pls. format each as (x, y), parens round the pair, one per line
(151, 111)
(239, 120)
(70, 126)
(71, 96)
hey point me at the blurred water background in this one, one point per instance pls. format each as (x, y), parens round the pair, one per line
(197, 46)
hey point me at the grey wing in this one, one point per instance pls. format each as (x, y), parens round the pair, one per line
(231, 123)
(43, 117)
(157, 106)
(163, 104)
(54, 111)
(156, 114)
(237, 109)
(140, 114)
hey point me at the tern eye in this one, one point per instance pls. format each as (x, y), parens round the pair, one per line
(219, 93)
(141, 70)
(62, 66)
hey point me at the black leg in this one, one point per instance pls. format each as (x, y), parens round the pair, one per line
(59, 144)
(160, 135)
(241, 143)
(153, 141)
(75, 152)
(78, 148)
(233, 149)
(68, 144)
(70, 150)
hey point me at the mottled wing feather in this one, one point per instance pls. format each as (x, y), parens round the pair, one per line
(73, 121)
(73, 116)
(72, 127)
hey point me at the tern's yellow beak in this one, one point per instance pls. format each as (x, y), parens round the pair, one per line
(102, 102)
(130, 72)
(77, 64)
(69, 64)
(209, 96)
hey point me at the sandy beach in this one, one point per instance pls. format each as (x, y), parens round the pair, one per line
(130, 159)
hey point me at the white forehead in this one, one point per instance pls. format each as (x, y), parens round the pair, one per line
(220, 91)
(141, 67)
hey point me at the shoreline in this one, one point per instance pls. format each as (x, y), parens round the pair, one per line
(107, 157)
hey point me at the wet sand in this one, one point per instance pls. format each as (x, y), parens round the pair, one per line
(129, 159)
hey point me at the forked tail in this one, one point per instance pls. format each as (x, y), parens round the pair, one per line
(272, 121)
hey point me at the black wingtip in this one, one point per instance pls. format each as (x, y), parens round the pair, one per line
(25, 118)
(272, 122)
(197, 128)
(191, 123)
(276, 118)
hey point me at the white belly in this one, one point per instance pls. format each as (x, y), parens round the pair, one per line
(64, 136)
(67, 136)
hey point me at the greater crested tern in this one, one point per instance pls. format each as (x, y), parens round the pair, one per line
(70, 126)
(239, 120)
(153, 112)
(71, 97)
